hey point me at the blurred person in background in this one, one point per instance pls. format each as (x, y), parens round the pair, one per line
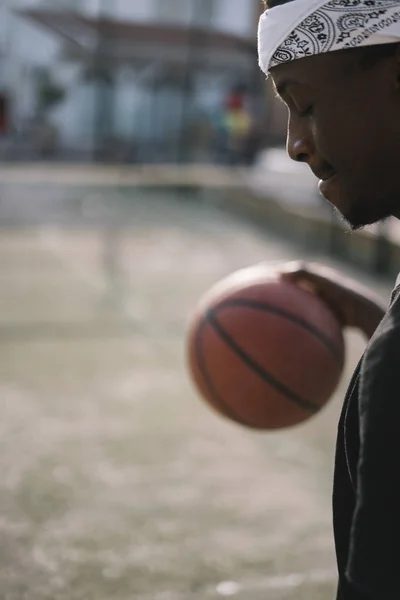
(3, 115)
(336, 65)
(201, 134)
(234, 126)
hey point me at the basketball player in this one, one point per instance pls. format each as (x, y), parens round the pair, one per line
(336, 65)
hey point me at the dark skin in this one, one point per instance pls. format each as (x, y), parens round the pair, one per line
(344, 122)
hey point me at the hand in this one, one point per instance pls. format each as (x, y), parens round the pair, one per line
(353, 303)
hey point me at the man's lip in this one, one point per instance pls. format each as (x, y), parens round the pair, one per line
(325, 185)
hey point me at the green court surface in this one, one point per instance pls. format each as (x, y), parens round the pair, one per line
(117, 481)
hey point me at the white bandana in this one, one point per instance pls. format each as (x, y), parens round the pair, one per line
(308, 27)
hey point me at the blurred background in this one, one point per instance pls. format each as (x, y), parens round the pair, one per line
(130, 81)
(141, 160)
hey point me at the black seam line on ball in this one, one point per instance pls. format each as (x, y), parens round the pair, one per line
(269, 308)
(261, 372)
(225, 408)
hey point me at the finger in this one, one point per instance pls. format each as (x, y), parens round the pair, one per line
(294, 267)
(308, 286)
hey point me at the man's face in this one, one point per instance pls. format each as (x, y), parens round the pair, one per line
(344, 122)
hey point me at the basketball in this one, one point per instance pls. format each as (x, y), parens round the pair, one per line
(264, 352)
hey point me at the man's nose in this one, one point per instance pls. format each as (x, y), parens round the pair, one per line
(299, 144)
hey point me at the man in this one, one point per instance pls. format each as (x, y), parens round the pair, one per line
(336, 65)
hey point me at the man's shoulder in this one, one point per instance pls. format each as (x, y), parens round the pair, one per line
(385, 343)
(392, 316)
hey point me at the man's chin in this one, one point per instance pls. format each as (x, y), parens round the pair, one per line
(350, 219)
(357, 219)
(354, 224)
(357, 213)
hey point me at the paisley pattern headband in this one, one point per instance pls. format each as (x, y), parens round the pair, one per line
(305, 28)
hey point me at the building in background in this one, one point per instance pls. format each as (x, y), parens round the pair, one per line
(126, 79)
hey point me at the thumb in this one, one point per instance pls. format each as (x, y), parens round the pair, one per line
(307, 285)
(301, 280)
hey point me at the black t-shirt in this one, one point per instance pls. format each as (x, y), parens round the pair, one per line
(366, 494)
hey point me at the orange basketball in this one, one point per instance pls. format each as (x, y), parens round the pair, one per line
(264, 352)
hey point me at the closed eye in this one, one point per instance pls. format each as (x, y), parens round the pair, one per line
(307, 112)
